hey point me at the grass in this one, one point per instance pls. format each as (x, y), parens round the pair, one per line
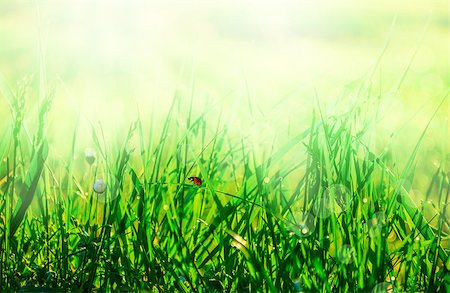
(337, 218)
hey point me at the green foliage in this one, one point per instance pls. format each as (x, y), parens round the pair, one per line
(339, 219)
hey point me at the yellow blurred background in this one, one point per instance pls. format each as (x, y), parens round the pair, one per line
(107, 61)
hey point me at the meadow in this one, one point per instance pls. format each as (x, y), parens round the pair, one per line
(310, 182)
(335, 218)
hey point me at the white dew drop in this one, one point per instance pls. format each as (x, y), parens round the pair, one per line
(99, 186)
(90, 155)
(305, 230)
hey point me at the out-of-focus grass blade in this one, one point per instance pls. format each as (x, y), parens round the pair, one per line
(28, 190)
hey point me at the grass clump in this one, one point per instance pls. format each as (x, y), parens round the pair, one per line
(336, 218)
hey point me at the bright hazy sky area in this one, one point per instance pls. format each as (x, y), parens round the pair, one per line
(109, 60)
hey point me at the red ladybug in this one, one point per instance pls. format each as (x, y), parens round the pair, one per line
(196, 180)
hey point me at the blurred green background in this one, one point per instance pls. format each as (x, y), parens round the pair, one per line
(110, 61)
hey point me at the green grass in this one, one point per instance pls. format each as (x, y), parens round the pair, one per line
(314, 211)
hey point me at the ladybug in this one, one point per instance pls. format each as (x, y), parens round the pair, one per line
(196, 180)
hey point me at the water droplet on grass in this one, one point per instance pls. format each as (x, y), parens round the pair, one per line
(302, 223)
(99, 186)
(90, 155)
(103, 195)
(266, 180)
